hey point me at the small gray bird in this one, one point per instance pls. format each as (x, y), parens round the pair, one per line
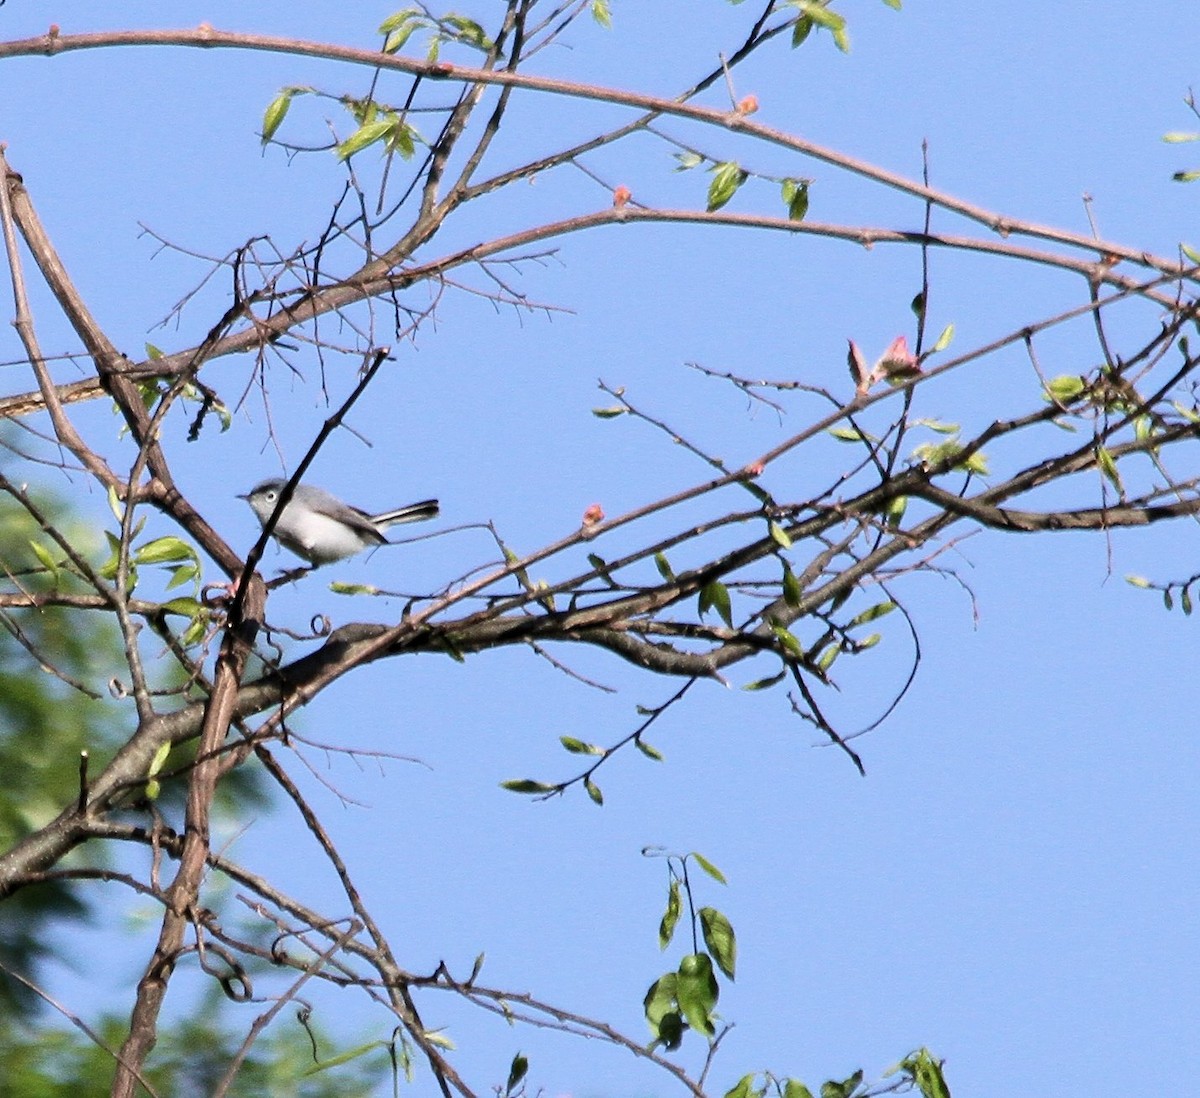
(321, 528)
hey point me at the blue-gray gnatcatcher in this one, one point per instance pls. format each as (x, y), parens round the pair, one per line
(321, 528)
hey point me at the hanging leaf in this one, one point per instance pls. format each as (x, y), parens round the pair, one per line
(727, 178)
(719, 937)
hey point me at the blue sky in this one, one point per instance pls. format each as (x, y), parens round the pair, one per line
(1014, 883)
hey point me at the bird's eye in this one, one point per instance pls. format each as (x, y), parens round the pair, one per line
(270, 496)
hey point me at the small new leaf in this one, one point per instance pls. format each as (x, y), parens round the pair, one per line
(780, 536)
(593, 790)
(870, 614)
(788, 639)
(44, 558)
(364, 137)
(1109, 467)
(164, 549)
(666, 926)
(727, 178)
(516, 1072)
(795, 198)
(273, 118)
(716, 595)
(764, 684)
(527, 785)
(650, 751)
(709, 868)
(578, 747)
(793, 1088)
(601, 13)
(792, 590)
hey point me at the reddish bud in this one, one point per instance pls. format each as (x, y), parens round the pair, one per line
(748, 105)
(54, 31)
(621, 197)
(593, 515)
(859, 373)
(755, 468)
(897, 361)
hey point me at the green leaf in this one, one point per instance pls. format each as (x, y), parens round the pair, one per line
(709, 868)
(44, 558)
(796, 1089)
(397, 39)
(1186, 177)
(660, 1000)
(517, 1072)
(844, 1089)
(719, 937)
(648, 750)
(400, 139)
(894, 512)
(153, 353)
(527, 785)
(697, 992)
(715, 594)
(273, 118)
(870, 614)
(727, 178)
(593, 790)
(743, 1088)
(183, 573)
(601, 13)
(159, 759)
(338, 587)
(1138, 581)
(788, 639)
(821, 15)
(114, 504)
(666, 926)
(342, 1058)
(467, 31)
(1168, 602)
(578, 747)
(895, 6)
(925, 1071)
(1104, 460)
(1194, 256)
(763, 684)
(831, 653)
(398, 19)
(164, 549)
(609, 413)
(670, 1030)
(801, 30)
(850, 434)
(185, 607)
(944, 339)
(1065, 388)
(365, 136)
(779, 535)
(685, 161)
(795, 198)
(664, 567)
(1179, 137)
(792, 591)
(1185, 601)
